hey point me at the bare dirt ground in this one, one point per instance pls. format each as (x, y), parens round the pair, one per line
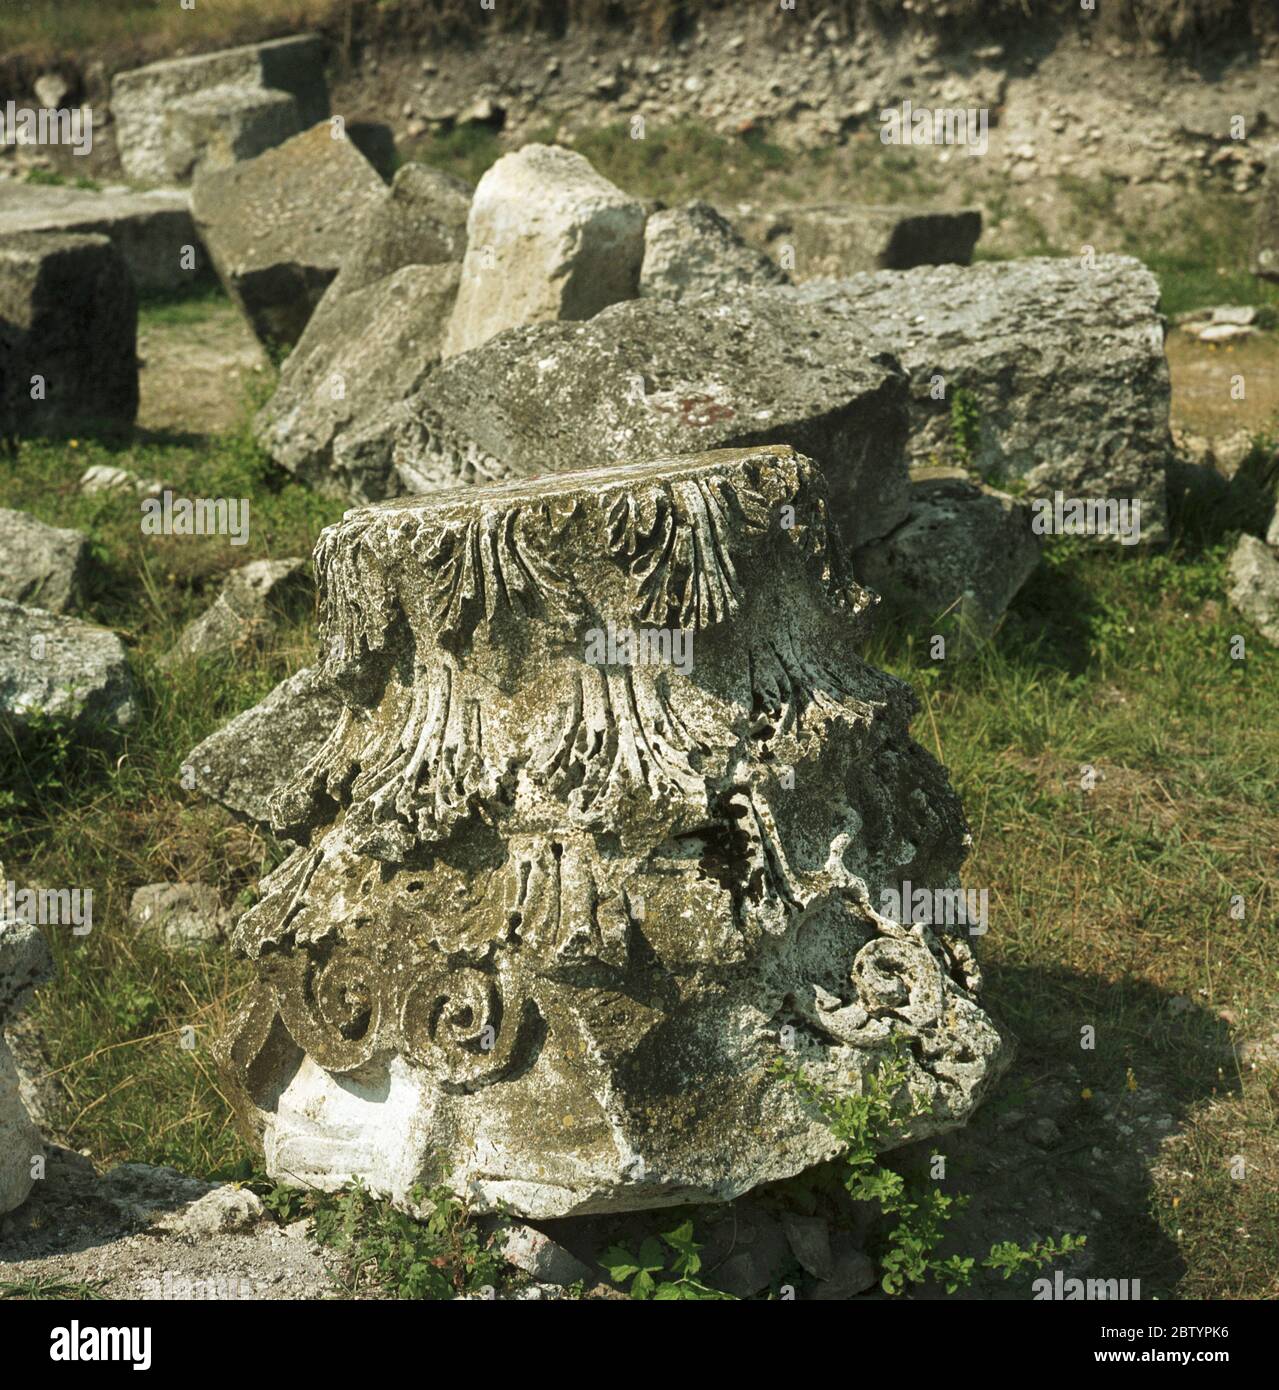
(195, 369)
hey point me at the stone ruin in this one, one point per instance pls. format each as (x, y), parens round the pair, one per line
(600, 834)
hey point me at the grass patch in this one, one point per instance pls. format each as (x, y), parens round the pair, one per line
(181, 308)
(115, 820)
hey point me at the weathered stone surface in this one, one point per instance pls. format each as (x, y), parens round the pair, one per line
(694, 250)
(1265, 254)
(226, 1208)
(853, 1273)
(745, 1251)
(105, 477)
(654, 377)
(965, 550)
(558, 912)
(377, 332)
(25, 962)
(70, 671)
(279, 226)
(68, 332)
(247, 761)
(548, 238)
(1063, 359)
(840, 239)
(537, 1254)
(149, 230)
(1253, 571)
(185, 916)
(809, 1241)
(44, 566)
(253, 600)
(419, 220)
(221, 126)
(256, 86)
(361, 355)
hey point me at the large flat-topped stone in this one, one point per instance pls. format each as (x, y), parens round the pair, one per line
(279, 226)
(150, 230)
(603, 831)
(282, 76)
(1061, 362)
(653, 377)
(68, 335)
(839, 239)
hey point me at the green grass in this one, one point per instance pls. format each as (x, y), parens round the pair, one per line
(182, 308)
(116, 820)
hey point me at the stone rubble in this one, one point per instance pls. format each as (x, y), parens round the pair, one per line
(25, 962)
(178, 117)
(834, 241)
(44, 566)
(62, 670)
(278, 226)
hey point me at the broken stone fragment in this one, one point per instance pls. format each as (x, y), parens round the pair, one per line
(68, 335)
(834, 240)
(547, 238)
(1061, 362)
(182, 915)
(44, 566)
(694, 250)
(1253, 572)
(363, 352)
(25, 962)
(654, 377)
(562, 900)
(377, 333)
(419, 220)
(225, 1209)
(278, 227)
(63, 670)
(248, 99)
(538, 1255)
(964, 551)
(221, 126)
(254, 600)
(105, 477)
(247, 761)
